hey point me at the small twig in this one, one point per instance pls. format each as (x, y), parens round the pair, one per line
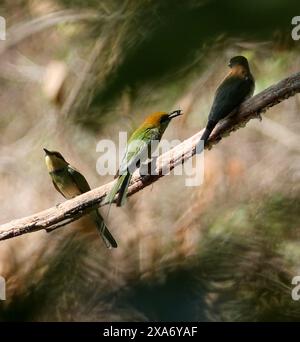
(280, 133)
(63, 223)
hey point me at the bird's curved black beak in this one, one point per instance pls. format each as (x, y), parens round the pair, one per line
(175, 113)
(46, 151)
(230, 65)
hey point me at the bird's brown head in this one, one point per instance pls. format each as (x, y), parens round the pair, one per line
(54, 160)
(239, 61)
(161, 119)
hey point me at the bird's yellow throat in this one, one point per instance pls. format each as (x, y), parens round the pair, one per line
(54, 163)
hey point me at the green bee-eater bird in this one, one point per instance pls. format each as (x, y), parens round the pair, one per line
(138, 150)
(71, 183)
(237, 86)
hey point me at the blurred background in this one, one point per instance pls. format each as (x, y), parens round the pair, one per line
(73, 72)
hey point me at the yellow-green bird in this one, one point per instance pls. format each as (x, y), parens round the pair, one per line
(137, 151)
(71, 183)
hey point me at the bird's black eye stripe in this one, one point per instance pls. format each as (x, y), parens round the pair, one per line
(164, 118)
(58, 155)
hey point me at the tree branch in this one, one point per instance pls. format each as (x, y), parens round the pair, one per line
(73, 209)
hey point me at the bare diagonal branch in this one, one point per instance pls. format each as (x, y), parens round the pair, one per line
(73, 209)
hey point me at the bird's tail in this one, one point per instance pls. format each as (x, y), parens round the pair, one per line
(123, 189)
(120, 187)
(105, 234)
(209, 128)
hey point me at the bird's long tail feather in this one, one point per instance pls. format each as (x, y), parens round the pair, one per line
(123, 189)
(116, 188)
(105, 234)
(120, 187)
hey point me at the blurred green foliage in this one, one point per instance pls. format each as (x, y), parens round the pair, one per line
(163, 40)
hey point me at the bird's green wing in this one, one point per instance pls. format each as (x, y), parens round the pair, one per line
(137, 148)
(79, 179)
(136, 151)
(57, 188)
